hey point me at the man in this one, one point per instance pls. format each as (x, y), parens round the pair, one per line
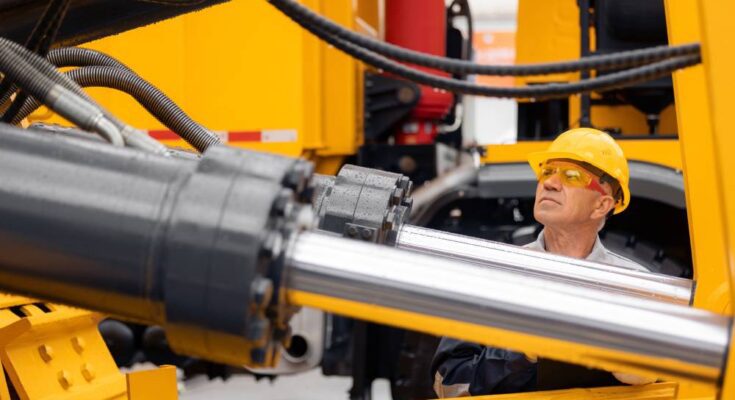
(582, 180)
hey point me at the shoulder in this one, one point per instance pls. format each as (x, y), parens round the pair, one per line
(620, 261)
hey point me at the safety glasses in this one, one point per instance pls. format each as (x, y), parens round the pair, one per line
(572, 176)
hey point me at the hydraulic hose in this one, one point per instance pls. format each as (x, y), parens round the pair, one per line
(131, 136)
(81, 57)
(46, 68)
(23, 71)
(545, 91)
(314, 22)
(39, 42)
(155, 101)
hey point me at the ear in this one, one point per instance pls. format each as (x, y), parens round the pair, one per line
(603, 206)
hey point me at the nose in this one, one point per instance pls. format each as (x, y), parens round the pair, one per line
(553, 183)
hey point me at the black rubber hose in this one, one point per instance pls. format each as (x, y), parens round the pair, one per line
(150, 97)
(39, 42)
(45, 27)
(20, 65)
(167, 112)
(23, 74)
(312, 22)
(541, 91)
(46, 68)
(81, 57)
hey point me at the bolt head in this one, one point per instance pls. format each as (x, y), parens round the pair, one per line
(258, 354)
(406, 95)
(257, 329)
(46, 352)
(78, 343)
(88, 371)
(262, 291)
(352, 231)
(283, 204)
(390, 219)
(297, 178)
(66, 380)
(396, 196)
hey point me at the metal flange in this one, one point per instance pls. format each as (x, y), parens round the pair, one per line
(363, 203)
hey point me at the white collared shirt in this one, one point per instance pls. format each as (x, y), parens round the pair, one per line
(598, 254)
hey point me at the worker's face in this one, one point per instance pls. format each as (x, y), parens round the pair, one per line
(561, 203)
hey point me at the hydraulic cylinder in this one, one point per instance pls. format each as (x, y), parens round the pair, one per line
(219, 251)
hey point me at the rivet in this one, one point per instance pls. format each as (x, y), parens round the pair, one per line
(352, 231)
(46, 352)
(88, 371)
(65, 379)
(78, 343)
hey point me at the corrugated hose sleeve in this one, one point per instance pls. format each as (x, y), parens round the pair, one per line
(538, 92)
(150, 97)
(312, 21)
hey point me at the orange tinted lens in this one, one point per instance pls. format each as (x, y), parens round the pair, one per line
(569, 175)
(547, 172)
(572, 176)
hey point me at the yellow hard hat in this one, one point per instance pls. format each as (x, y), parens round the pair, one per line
(591, 146)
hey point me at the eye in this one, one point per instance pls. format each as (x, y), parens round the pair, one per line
(573, 175)
(547, 172)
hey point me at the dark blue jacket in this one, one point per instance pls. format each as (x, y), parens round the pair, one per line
(463, 369)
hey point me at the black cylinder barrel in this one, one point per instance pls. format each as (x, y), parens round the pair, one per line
(188, 244)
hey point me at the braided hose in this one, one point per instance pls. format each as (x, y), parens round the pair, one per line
(46, 68)
(64, 57)
(543, 91)
(314, 22)
(81, 57)
(150, 97)
(29, 72)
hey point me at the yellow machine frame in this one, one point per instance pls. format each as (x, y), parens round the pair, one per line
(295, 82)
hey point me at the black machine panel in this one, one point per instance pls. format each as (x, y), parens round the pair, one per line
(92, 19)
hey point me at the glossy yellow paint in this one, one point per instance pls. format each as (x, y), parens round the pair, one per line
(624, 117)
(547, 31)
(590, 356)
(715, 18)
(153, 384)
(704, 203)
(664, 152)
(242, 66)
(56, 352)
(655, 391)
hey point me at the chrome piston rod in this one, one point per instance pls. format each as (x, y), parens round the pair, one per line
(533, 263)
(551, 318)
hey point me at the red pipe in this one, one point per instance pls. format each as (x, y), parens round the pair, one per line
(421, 25)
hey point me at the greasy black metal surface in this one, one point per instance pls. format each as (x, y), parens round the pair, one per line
(83, 213)
(215, 234)
(542, 120)
(92, 19)
(388, 101)
(632, 24)
(364, 204)
(419, 162)
(585, 119)
(135, 234)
